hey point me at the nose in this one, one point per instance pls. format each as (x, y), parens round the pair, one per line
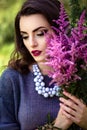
(33, 42)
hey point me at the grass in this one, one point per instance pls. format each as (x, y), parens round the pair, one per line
(5, 53)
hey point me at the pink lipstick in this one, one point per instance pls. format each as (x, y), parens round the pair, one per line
(36, 52)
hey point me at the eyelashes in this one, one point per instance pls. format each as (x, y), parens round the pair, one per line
(39, 33)
(42, 33)
(24, 37)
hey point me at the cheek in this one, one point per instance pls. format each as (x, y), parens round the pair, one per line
(26, 45)
(43, 43)
(45, 46)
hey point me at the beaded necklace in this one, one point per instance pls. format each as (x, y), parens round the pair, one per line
(40, 85)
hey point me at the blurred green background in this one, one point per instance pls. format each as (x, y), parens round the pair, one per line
(8, 10)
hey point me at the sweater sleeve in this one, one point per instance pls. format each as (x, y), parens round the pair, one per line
(8, 105)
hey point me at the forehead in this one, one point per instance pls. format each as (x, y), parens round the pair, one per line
(33, 21)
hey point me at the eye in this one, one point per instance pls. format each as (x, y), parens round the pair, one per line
(24, 37)
(42, 32)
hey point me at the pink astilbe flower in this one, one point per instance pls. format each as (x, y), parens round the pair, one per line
(67, 50)
(62, 21)
(67, 56)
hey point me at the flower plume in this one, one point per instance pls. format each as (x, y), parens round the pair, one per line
(67, 50)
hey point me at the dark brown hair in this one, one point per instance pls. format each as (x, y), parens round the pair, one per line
(21, 58)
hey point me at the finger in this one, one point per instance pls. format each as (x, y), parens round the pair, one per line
(71, 117)
(75, 113)
(73, 98)
(69, 103)
(68, 115)
(71, 114)
(68, 109)
(76, 116)
(79, 103)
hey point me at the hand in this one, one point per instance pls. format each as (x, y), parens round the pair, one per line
(74, 109)
(62, 121)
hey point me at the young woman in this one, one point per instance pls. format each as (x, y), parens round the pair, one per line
(25, 95)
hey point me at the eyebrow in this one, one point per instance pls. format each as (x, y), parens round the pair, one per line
(34, 29)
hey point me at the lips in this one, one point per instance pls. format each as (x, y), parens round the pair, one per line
(36, 52)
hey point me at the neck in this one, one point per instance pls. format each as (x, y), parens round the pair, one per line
(44, 68)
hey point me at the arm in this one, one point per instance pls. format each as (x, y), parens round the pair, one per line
(75, 110)
(8, 119)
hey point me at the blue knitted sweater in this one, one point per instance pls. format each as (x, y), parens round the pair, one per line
(21, 108)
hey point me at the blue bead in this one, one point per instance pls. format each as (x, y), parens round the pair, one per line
(46, 92)
(46, 95)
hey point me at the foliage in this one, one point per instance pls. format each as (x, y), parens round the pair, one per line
(7, 15)
(75, 10)
(5, 53)
(76, 7)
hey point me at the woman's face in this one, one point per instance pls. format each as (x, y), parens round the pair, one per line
(33, 29)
